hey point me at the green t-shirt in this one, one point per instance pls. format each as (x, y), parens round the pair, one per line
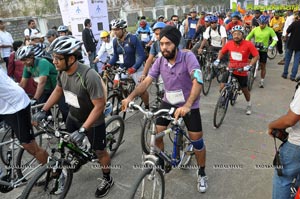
(263, 36)
(42, 67)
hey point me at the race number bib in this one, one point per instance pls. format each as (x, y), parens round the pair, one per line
(236, 56)
(71, 99)
(121, 58)
(175, 97)
(144, 36)
(193, 26)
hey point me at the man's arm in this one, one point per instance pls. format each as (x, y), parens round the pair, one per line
(56, 94)
(23, 82)
(99, 106)
(40, 87)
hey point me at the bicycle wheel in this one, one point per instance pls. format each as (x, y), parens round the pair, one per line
(221, 108)
(146, 136)
(26, 163)
(234, 96)
(149, 184)
(7, 147)
(221, 71)
(116, 101)
(114, 134)
(51, 181)
(250, 79)
(206, 79)
(272, 53)
(186, 151)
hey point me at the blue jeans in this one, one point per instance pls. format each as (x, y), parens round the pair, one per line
(288, 57)
(91, 59)
(290, 160)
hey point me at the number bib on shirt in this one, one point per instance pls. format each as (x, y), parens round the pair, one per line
(121, 59)
(236, 56)
(144, 36)
(71, 99)
(175, 97)
(193, 25)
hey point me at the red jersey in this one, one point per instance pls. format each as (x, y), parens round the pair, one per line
(239, 54)
(231, 25)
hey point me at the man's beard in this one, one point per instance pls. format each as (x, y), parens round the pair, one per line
(170, 55)
(237, 41)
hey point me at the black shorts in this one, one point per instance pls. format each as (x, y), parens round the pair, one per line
(263, 56)
(96, 135)
(20, 122)
(192, 121)
(243, 80)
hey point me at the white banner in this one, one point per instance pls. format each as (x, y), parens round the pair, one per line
(256, 2)
(64, 10)
(233, 4)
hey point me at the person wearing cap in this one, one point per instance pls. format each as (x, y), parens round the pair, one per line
(51, 35)
(254, 22)
(6, 43)
(106, 46)
(37, 41)
(144, 33)
(159, 18)
(277, 23)
(248, 19)
(182, 79)
(190, 27)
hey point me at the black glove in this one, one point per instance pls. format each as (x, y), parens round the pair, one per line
(39, 116)
(77, 137)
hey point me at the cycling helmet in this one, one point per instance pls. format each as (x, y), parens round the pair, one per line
(206, 19)
(159, 25)
(24, 52)
(104, 33)
(238, 28)
(212, 18)
(38, 50)
(263, 19)
(143, 23)
(236, 14)
(62, 28)
(118, 23)
(65, 45)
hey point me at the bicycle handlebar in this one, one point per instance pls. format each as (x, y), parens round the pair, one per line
(150, 114)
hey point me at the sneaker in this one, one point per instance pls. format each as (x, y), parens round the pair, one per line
(202, 183)
(281, 62)
(61, 183)
(104, 187)
(261, 84)
(284, 76)
(248, 110)
(292, 79)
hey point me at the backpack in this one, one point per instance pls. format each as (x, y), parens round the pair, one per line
(131, 44)
(209, 33)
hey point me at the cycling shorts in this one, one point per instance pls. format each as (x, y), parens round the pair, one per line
(96, 135)
(192, 120)
(263, 56)
(243, 80)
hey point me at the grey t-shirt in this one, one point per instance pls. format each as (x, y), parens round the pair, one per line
(80, 88)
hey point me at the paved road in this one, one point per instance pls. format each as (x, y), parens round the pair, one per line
(240, 142)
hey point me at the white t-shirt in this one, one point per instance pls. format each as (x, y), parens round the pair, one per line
(294, 132)
(33, 32)
(5, 39)
(216, 39)
(12, 97)
(106, 47)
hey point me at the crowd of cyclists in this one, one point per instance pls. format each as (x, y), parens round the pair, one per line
(166, 49)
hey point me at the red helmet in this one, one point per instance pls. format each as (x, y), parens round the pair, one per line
(143, 23)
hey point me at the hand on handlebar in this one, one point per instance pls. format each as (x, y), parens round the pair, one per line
(181, 112)
(131, 70)
(125, 103)
(270, 48)
(247, 68)
(217, 62)
(200, 50)
(104, 67)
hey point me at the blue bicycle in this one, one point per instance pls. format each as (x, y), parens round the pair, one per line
(150, 183)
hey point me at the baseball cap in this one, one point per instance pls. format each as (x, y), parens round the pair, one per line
(51, 32)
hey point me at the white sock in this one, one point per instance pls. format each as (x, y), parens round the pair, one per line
(262, 80)
(249, 103)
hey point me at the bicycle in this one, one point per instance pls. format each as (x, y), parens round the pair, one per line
(228, 94)
(123, 86)
(60, 168)
(108, 75)
(152, 172)
(272, 52)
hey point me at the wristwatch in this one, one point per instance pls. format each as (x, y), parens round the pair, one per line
(82, 130)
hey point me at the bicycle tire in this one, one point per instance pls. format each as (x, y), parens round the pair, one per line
(26, 161)
(222, 104)
(186, 153)
(272, 53)
(206, 79)
(5, 148)
(140, 188)
(113, 141)
(33, 190)
(115, 101)
(220, 74)
(145, 136)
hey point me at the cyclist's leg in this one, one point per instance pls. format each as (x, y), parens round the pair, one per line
(262, 61)
(145, 96)
(224, 80)
(243, 84)
(20, 122)
(194, 126)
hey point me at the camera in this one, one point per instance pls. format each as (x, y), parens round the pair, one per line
(280, 134)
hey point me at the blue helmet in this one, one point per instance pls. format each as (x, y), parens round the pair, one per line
(158, 25)
(212, 18)
(263, 19)
(236, 14)
(206, 19)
